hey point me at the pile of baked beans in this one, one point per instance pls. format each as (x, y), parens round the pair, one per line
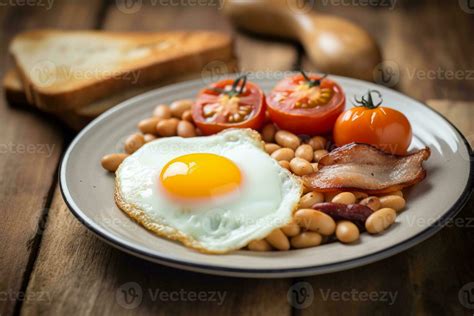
(309, 227)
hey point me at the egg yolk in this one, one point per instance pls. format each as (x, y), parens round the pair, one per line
(200, 175)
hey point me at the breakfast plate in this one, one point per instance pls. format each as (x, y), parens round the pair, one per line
(89, 191)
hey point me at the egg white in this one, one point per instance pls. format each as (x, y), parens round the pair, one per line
(265, 200)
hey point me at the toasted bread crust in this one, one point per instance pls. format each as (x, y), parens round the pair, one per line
(15, 93)
(192, 51)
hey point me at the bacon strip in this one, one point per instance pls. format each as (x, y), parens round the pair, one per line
(361, 167)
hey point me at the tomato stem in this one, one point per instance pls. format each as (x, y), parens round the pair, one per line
(312, 82)
(367, 101)
(234, 91)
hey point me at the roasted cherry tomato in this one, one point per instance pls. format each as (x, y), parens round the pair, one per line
(229, 103)
(305, 104)
(370, 123)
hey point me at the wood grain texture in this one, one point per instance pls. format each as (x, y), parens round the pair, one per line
(81, 274)
(30, 148)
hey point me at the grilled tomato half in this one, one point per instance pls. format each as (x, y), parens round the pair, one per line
(306, 104)
(229, 104)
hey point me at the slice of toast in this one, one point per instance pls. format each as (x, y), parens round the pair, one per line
(78, 118)
(13, 88)
(67, 70)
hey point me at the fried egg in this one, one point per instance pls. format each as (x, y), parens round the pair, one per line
(215, 193)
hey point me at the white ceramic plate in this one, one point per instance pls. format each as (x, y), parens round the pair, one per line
(88, 191)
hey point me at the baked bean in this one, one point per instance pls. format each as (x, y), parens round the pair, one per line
(317, 142)
(291, 229)
(380, 220)
(320, 153)
(178, 107)
(259, 245)
(305, 152)
(344, 198)
(111, 162)
(134, 142)
(392, 201)
(148, 125)
(306, 239)
(315, 166)
(285, 164)
(287, 139)
(149, 137)
(372, 202)
(268, 133)
(311, 198)
(347, 232)
(185, 129)
(283, 154)
(162, 111)
(315, 220)
(167, 127)
(300, 167)
(187, 116)
(270, 148)
(360, 195)
(278, 240)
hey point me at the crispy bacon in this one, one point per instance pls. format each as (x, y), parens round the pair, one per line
(361, 167)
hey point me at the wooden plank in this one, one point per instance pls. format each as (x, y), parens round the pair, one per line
(84, 275)
(31, 145)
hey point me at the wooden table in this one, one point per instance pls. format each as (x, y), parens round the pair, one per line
(51, 264)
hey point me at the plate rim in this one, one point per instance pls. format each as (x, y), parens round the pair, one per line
(264, 273)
